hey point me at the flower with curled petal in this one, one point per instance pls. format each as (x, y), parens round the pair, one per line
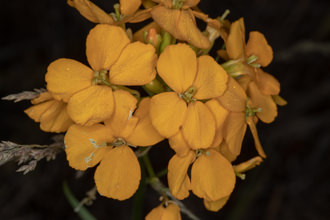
(118, 174)
(51, 113)
(114, 62)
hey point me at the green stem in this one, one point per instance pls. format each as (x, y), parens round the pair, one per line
(148, 166)
(83, 213)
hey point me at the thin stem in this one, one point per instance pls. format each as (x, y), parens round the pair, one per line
(148, 166)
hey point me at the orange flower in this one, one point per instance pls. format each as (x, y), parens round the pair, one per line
(192, 79)
(212, 175)
(51, 113)
(114, 61)
(118, 174)
(178, 19)
(169, 212)
(241, 114)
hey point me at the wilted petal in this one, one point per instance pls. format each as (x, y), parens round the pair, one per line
(254, 131)
(177, 66)
(91, 12)
(104, 44)
(135, 65)
(65, 77)
(36, 111)
(235, 43)
(92, 105)
(85, 146)
(188, 30)
(199, 126)
(167, 113)
(257, 45)
(178, 179)
(56, 118)
(128, 7)
(211, 78)
(118, 175)
(212, 176)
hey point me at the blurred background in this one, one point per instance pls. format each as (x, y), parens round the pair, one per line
(292, 183)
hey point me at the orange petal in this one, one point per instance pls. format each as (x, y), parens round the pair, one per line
(36, 111)
(187, 28)
(220, 114)
(104, 44)
(128, 7)
(122, 123)
(86, 146)
(265, 102)
(118, 175)
(135, 65)
(65, 77)
(92, 105)
(45, 96)
(190, 3)
(199, 126)
(144, 133)
(139, 16)
(171, 212)
(247, 165)
(279, 100)
(178, 179)
(55, 118)
(212, 176)
(215, 206)
(177, 66)
(223, 148)
(91, 12)
(167, 19)
(179, 144)
(258, 45)
(211, 78)
(234, 98)
(254, 131)
(167, 113)
(234, 131)
(267, 83)
(235, 44)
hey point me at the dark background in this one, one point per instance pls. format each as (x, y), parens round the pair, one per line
(293, 183)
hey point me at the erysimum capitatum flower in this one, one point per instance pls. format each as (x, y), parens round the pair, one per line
(212, 175)
(118, 174)
(178, 19)
(51, 113)
(192, 79)
(114, 61)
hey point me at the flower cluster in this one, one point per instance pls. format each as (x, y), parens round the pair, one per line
(202, 105)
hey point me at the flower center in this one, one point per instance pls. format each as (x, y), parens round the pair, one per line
(119, 142)
(188, 95)
(177, 4)
(249, 111)
(200, 152)
(101, 77)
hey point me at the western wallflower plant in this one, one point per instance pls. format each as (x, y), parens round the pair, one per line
(201, 105)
